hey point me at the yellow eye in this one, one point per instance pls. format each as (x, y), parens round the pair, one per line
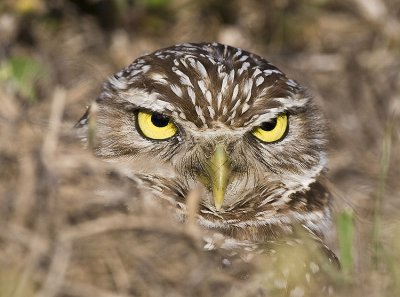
(273, 130)
(155, 125)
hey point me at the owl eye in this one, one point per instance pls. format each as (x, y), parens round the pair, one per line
(155, 125)
(273, 130)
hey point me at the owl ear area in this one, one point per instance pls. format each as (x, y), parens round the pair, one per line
(155, 126)
(273, 130)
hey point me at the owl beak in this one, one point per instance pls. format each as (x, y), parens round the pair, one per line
(219, 170)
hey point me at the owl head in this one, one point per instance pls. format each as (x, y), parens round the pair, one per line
(222, 119)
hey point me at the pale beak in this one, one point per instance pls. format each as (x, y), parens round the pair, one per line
(218, 172)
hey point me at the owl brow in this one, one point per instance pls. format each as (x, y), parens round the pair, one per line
(131, 107)
(150, 104)
(269, 115)
(292, 102)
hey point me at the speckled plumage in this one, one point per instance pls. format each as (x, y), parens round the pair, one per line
(216, 95)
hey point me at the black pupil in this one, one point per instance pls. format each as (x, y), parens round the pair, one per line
(159, 120)
(268, 126)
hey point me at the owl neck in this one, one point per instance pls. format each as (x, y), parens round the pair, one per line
(304, 210)
(258, 220)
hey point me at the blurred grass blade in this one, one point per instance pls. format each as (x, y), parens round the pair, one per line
(345, 224)
(23, 73)
(384, 168)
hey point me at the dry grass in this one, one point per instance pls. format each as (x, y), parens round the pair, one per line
(64, 227)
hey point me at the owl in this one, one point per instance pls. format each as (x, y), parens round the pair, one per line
(229, 124)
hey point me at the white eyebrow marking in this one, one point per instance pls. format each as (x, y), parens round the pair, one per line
(256, 120)
(290, 102)
(144, 99)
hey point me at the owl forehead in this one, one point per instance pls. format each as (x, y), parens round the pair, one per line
(207, 84)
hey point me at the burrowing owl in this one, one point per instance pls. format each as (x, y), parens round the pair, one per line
(227, 120)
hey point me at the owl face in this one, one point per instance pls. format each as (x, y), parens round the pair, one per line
(222, 119)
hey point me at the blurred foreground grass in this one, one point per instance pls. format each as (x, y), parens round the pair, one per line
(21, 74)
